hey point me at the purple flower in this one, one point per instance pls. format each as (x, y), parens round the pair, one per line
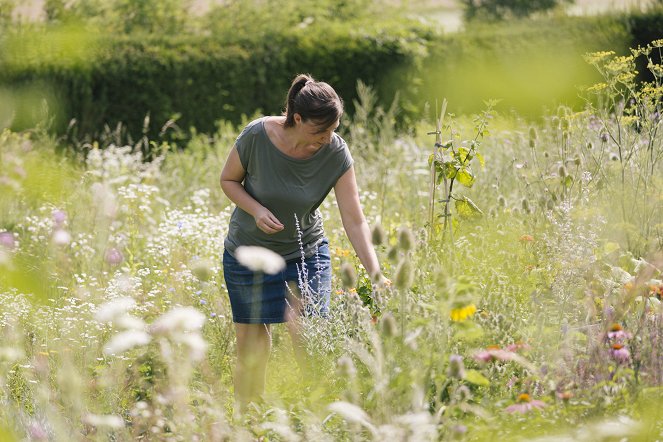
(113, 256)
(212, 315)
(7, 240)
(604, 137)
(456, 368)
(59, 217)
(203, 302)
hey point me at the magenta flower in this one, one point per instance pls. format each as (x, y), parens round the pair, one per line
(113, 256)
(524, 403)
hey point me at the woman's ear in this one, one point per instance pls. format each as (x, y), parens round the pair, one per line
(297, 118)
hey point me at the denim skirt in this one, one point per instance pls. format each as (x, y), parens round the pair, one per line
(303, 287)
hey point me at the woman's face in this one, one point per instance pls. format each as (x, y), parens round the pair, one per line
(316, 137)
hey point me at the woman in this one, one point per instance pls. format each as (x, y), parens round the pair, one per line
(279, 171)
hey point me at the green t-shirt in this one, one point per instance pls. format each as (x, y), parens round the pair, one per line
(288, 187)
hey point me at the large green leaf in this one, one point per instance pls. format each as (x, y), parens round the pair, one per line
(466, 208)
(465, 177)
(476, 378)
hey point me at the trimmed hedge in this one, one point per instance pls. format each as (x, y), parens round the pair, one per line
(203, 79)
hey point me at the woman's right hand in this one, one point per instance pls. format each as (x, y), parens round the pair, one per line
(267, 222)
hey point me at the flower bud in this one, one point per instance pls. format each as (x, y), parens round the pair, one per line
(456, 367)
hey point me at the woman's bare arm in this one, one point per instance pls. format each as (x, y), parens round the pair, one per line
(231, 182)
(354, 222)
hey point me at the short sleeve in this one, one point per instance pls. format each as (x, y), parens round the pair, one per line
(345, 160)
(245, 142)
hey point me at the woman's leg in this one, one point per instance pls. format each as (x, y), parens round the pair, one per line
(253, 347)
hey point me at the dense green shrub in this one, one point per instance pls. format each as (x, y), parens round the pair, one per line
(197, 80)
(203, 79)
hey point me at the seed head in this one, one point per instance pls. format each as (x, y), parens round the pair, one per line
(565, 124)
(392, 254)
(532, 133)
(562, 171)
(202, 269)
(501, 201)
(614, 157)
(348, 275)
(525, 204)
(405, 239)
(346, 367)
(377, 235)
(546, 154)
(404, 274)
(590, 145)
(388, 325)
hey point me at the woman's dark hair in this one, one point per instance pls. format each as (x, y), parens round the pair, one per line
(313, 100)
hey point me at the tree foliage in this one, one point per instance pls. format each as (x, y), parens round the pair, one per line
(504, 9)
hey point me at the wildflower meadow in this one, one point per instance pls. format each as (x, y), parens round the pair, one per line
(524, 259)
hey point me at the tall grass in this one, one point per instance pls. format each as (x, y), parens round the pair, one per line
(540, 318)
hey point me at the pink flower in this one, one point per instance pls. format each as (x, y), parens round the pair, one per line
(494, 353)
(524, 403)
(517, 346)
(617, 333)
(620, 353)
(113, 256)
(7, 240)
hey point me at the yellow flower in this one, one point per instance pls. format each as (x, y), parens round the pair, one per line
(462, 313)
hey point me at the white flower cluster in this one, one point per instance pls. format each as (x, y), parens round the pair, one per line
(182, 325)
(193, 230)
(119, 165)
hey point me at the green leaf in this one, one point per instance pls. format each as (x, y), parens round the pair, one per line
(476, 378)
(466, 208)
(465, 177)
(482, 160)
(451, 171)
(462, 154)
(567, 181)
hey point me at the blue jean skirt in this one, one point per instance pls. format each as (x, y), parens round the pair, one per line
(303, 287)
